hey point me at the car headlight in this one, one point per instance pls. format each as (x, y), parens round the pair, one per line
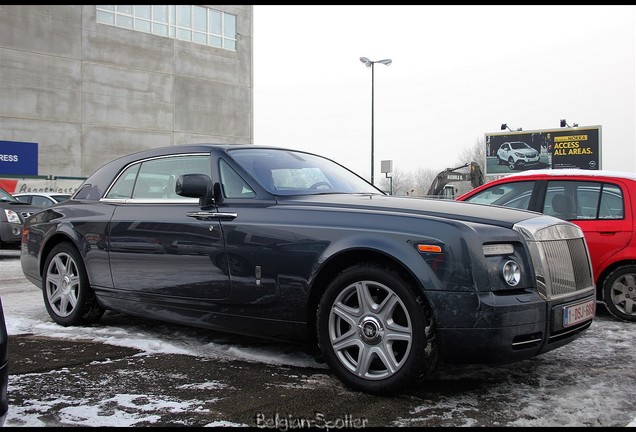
(511, 273)
(12, 216)
(519, 155)
(505, 264)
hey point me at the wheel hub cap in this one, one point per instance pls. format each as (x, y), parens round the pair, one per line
(66, 284)
(370, 330)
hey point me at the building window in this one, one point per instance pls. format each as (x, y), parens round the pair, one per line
(191, 23)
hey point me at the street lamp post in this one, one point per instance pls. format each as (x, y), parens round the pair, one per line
(370, 64)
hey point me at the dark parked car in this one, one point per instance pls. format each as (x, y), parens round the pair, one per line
(602, 203)
(286, 244)
(12, 216)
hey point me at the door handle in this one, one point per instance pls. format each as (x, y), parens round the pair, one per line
(208, 215)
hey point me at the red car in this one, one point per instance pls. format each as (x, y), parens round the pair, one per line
(601, 202)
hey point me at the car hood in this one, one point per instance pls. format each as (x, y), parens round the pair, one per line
(20, 207)
(526, 151)
(447, 209)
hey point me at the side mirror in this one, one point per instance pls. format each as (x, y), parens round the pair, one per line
(196, 186)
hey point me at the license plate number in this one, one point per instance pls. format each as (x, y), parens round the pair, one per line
(578, 313)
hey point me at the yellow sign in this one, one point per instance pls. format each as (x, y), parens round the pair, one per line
(570, 138)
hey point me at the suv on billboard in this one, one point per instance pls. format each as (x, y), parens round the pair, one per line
(516, 154)
(602, 203)
(12, 215)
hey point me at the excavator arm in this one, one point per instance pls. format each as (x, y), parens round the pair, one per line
(449, 175)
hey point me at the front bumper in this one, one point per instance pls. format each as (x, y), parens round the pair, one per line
(10, 234)
(503, 329)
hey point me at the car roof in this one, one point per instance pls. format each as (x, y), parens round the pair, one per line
(559, 173)
(573, 172)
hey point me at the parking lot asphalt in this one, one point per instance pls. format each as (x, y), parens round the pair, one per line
(237, 393)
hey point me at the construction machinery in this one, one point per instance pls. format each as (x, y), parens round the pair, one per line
(451, 183)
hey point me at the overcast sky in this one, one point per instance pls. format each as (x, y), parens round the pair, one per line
(458, 72)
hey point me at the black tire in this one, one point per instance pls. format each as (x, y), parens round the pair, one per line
(68, 297)
(619, 293)
(511, 163)
(374, 332)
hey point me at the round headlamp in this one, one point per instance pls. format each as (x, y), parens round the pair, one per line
(511, 273)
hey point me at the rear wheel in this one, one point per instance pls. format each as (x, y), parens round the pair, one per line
(68, 298)
(373, 331)
(619, 293)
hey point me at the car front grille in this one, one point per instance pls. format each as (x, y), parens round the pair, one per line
(568, 266)
(560, 257)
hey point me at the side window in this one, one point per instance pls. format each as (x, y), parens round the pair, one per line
(156, 179)
(514, 194)
(583, 200)
(41, 201)
(559, 199)
(611, 206)
(587, 195)
(232, 184)
(123, 186)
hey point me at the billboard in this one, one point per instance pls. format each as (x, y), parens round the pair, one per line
(572, 147)
(18, 158)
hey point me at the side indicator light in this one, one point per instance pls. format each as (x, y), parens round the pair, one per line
(429, 248)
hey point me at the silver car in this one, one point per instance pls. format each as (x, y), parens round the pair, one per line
(12, 215)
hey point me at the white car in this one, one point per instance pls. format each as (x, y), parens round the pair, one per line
(42, 199)
(517, 153)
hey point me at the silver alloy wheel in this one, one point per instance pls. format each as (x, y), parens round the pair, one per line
(370, 330)
(62, 284)
(623, 294)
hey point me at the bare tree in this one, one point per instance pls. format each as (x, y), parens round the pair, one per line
(400, 182)
(474, 153)
(418, 183)
(423, 179)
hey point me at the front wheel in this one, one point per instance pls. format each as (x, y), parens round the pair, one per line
(619, 293)
(511, 163)
(68, 298)
(373, 330)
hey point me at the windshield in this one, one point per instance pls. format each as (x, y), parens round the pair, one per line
(6, 196)
(519, 145)
(287, 172)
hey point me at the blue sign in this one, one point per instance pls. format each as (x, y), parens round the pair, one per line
(18, 158)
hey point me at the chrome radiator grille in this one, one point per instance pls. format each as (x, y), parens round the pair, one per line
(568, 267)
(559, 255)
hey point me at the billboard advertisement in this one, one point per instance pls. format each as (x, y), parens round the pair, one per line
(18, 158)
(572, 147)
